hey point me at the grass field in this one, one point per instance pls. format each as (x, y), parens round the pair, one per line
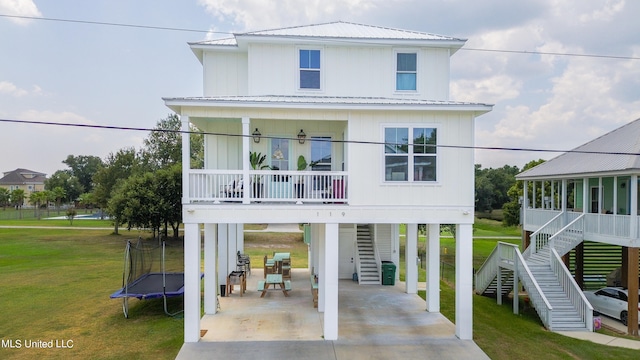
(55, 285)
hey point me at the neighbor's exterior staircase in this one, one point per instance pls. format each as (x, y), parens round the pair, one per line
(368, 267)
(551, 288)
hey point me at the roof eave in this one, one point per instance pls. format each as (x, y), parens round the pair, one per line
(176, 104)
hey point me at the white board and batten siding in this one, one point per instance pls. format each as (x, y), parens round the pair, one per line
(367, 184)
(345, 71)
(225, 73)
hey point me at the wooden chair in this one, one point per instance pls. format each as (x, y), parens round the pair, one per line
(286, 269)
(269, 266)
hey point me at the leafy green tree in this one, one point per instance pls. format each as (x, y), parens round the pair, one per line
(83, 167)
(37, 199)
(17, 199)
(59, 195)
(117, 167)
(511, 209)
(65, 180)
(163, 147)
(492, 186)
(5, 197)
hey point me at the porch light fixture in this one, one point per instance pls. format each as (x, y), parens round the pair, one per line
(301, 136)
(256, 136)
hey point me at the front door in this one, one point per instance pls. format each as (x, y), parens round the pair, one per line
(347, 236)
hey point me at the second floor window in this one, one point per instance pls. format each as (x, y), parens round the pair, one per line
(309, 69)
(410, 154)
(406, 71)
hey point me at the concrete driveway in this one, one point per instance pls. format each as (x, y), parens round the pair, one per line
(375, 322)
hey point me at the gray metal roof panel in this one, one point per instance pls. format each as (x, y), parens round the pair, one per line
(336, 30)
(341, 29)
(618, 150)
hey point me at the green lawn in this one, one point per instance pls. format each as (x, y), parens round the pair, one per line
(505, 336)
(56, 285)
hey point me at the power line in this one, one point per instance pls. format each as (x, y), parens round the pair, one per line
(112, 24)
(166, 28)
(494, 148)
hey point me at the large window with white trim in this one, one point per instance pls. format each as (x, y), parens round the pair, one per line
(410, 154)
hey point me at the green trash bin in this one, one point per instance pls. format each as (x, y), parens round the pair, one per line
(388, 273)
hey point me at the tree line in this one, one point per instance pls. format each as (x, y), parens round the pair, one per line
(136, 188)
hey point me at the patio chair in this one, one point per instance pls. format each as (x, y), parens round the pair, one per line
(243, 263)
(269, 266)
(286, 269)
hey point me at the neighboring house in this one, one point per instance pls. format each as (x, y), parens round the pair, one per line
(575, 203)
(23, 179)
(369, 108)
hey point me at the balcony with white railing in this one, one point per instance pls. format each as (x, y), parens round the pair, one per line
(600, 225)
(267, 186)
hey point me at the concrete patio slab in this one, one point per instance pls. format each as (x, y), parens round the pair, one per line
(375, 322)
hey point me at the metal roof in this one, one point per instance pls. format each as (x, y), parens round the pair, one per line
(338, 30)
(616, 151)
(324, 102)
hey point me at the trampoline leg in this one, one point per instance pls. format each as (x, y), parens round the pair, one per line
(125, 307)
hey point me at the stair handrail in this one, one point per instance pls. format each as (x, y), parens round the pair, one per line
(487, 272)
(571, 288)
(536, 296)
(376, 253)
(540, 237)
(576, 224)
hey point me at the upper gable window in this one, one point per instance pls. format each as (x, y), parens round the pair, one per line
(406, 71)
(309, 69)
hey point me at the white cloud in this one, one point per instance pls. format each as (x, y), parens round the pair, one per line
(19, 8)
(10, 89)
(251, 15)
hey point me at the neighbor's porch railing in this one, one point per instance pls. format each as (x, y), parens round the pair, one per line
(220, 186)
(595, 224)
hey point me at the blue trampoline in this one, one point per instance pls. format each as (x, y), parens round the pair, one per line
(145, 275)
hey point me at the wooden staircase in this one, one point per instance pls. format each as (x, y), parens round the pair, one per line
(368, 267)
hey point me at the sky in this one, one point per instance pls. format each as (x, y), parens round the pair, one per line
(78, 73)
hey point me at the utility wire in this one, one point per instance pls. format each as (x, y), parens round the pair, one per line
(230, 33)
(495, 148)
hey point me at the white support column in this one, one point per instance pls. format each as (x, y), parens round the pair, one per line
(210, 278)
(395, 247)
(191, 283)
(232, 248)
(433, 268)
(186, 158)
(586, 201)
(633, 187)
(246, 164)
(223, 263)
(240, 237)
(330, 294)
(322, 279)
(411, 259)
(464, 281)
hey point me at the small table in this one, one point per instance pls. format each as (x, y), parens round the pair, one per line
(236, 278)
(273, 279)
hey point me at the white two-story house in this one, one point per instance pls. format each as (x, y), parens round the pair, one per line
(368, 110)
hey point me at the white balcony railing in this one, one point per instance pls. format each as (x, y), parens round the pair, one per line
(227, 186)
(597, 224)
